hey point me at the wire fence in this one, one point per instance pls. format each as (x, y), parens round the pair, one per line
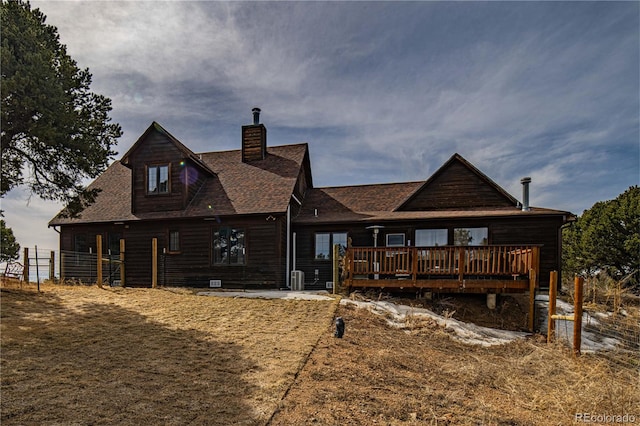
(82, 268)
(611, 311)
(610, 323)
(40, 263)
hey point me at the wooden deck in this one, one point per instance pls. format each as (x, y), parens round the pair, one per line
(450, 269)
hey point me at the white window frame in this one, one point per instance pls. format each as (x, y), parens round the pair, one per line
(404, 239)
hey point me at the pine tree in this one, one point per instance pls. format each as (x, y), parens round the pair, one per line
(55, 131)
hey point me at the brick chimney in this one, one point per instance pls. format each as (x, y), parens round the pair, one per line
(254, 139)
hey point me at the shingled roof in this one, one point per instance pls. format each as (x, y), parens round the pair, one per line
(240, 188)
(388, 202)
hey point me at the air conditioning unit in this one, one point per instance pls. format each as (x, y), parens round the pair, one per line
(297, 280)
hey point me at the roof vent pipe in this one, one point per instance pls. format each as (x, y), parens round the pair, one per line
(525, 181)
(256, 115)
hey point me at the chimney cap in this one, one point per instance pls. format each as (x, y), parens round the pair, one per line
(525, 180)
(256, 115)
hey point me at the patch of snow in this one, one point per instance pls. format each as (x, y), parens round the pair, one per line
(269, 294)
(398, 316)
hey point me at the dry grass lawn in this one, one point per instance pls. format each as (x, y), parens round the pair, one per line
(84, 355)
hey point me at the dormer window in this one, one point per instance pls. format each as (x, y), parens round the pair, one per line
(158, 179)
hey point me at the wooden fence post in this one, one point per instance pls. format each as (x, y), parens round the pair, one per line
(99, 262)
(122, 274)
(154, 263)
(532, 297)
(52, 266)
(577, 315)
(25, 262)
(553, 290)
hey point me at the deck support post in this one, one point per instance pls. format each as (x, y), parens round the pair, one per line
(491, 300)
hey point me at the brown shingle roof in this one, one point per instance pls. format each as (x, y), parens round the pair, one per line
(378, 203)
(238, 188)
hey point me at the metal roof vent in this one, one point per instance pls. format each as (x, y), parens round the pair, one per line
(525, 181)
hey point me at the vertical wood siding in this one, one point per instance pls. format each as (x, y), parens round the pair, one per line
(192, 265)
(454, 188)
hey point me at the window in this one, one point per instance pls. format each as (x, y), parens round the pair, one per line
(158, 180)
(395, 240)
(432, 237)
(326, 240)
(229, 247)
(174, 241)
(471, 236)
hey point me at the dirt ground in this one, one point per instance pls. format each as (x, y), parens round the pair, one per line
(84, 355)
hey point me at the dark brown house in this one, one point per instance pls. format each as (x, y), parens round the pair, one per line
(247, 218)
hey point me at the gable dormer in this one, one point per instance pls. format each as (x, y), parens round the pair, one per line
(458, 185)
(165, 174)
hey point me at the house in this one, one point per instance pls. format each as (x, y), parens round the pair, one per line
(246, 218)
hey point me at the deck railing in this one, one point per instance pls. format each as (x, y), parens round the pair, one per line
(437, 262)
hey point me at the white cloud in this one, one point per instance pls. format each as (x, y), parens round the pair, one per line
(384, 92)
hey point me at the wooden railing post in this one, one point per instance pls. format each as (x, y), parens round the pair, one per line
(536, 264)
(462, 262)
(553, 289)
(414, 264)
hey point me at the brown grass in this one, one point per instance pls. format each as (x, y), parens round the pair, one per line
(83, 355)
(380, 375)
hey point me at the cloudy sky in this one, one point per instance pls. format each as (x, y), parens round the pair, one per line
(382, 92)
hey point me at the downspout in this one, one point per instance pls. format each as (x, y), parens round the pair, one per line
(59, 253)
(287, 281)
(287, 276)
